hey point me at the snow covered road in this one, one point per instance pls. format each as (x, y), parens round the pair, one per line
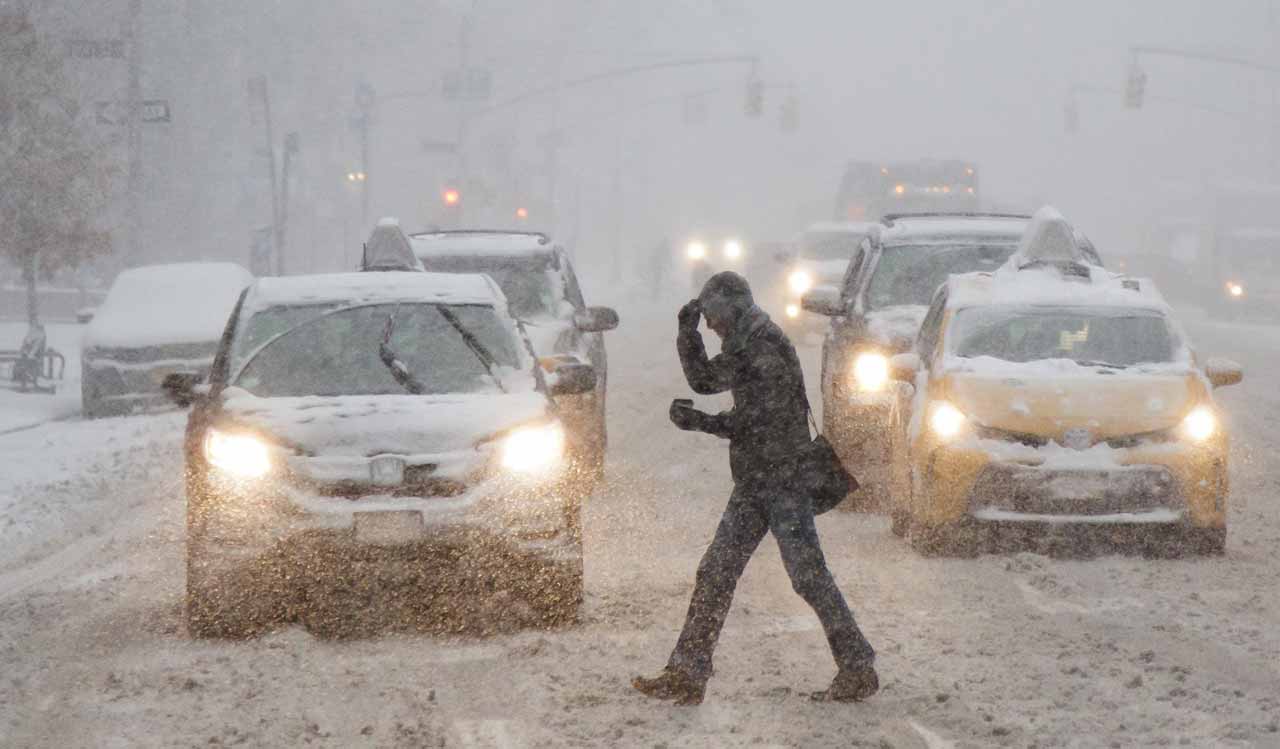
(1018, 650)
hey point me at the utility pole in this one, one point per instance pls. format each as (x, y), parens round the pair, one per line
(464, 65)
(258, 90)
(135, 183)
(290, 151)
(366, 99)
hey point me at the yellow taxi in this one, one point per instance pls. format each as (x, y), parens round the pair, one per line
(1052, 393)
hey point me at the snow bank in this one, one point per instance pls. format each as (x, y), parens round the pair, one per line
(157, 305)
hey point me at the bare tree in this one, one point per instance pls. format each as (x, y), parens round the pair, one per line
(55, 177)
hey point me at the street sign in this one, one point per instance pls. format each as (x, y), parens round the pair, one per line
(95, 49)
(117, 112)
(467, 84)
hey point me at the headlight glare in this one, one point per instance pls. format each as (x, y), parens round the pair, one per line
(800, 281)
(871, 371)
(1199, 425)
(733, 249)
(533, 448)
(695, 250)
(240, 455)
(946, 420)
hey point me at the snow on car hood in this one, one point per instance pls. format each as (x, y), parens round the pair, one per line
(1048, 398)
(379, 424)
(896, 326)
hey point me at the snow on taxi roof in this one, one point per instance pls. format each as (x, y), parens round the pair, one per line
(501, 243)
(1049, 269)
(374, 288)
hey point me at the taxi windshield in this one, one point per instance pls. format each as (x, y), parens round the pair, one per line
(337, 353)
(1117, 338)
(909, 274)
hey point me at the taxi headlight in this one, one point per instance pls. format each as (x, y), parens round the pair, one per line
(240, 455)
(533, 448)
(871, 371)
(1199, 425)
(695, 250)
(733, 249)
(800, 281)
(946, 420)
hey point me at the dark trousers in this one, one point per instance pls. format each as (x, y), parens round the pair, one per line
(750, 515)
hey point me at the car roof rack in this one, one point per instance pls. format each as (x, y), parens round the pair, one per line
(889, 218)
(540, 236)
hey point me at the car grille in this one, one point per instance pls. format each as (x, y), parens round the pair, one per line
(1036, 440)
(358, 490)
(1031, 489)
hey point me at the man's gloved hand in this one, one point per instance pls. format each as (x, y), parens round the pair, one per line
(690, 315)
(685, 416)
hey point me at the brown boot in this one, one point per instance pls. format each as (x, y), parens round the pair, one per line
(850, 685)
(673, 685)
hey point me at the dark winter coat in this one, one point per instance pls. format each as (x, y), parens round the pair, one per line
(767, 425)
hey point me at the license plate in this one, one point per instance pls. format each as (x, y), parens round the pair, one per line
(389, 528)
(386, 470)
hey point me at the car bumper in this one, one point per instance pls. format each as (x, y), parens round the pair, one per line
(239, 523)
(1165, 484)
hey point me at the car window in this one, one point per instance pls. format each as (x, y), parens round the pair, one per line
(848, 288)
(931, 327)
(909, 274)
(1119, 337)
(338, 353)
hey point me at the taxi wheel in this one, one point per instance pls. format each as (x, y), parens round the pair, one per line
(219, 607)
(1206, 541)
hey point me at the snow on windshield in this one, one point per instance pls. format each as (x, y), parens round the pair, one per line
(337, 353)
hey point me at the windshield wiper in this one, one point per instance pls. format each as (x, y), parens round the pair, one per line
(403, 377)
(1104, 364)
(473, 343)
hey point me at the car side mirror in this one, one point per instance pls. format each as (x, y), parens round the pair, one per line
(1223, 372)
(903, 367)
(823, 300)
(573, 379)
(596, 319)
(182, 387)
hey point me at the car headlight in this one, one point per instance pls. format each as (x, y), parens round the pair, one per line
(793, 311)
(946, 420)
(1199, 425)
(733, 249)
(800, 281)
(1235, 290)
(695, 250)
(871, 371)
(240, 455)
(533, 448)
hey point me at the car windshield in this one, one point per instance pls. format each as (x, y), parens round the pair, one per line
(832, 245)
(909, 274)
(531, 287)
(336, 353)
(1113, 337)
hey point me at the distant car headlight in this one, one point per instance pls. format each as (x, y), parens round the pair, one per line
(696, 250)
(240, 455)
(1235, 290)
(946, 420)
(733, 249)
(1199, 425)
(800, 281)
(871, 371)
(793, 311)
(534, 448)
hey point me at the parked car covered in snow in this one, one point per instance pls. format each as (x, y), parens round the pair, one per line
(544, 295)
(378, 418)
(875, 312)
(155, 321)
(1054, 393)
(821, 258)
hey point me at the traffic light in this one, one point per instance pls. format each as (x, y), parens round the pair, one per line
(522, 213)
(754, 104)
(451, 197)
(1135, 86)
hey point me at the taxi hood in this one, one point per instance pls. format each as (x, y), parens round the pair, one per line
(1048, 398)
(368, 425)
